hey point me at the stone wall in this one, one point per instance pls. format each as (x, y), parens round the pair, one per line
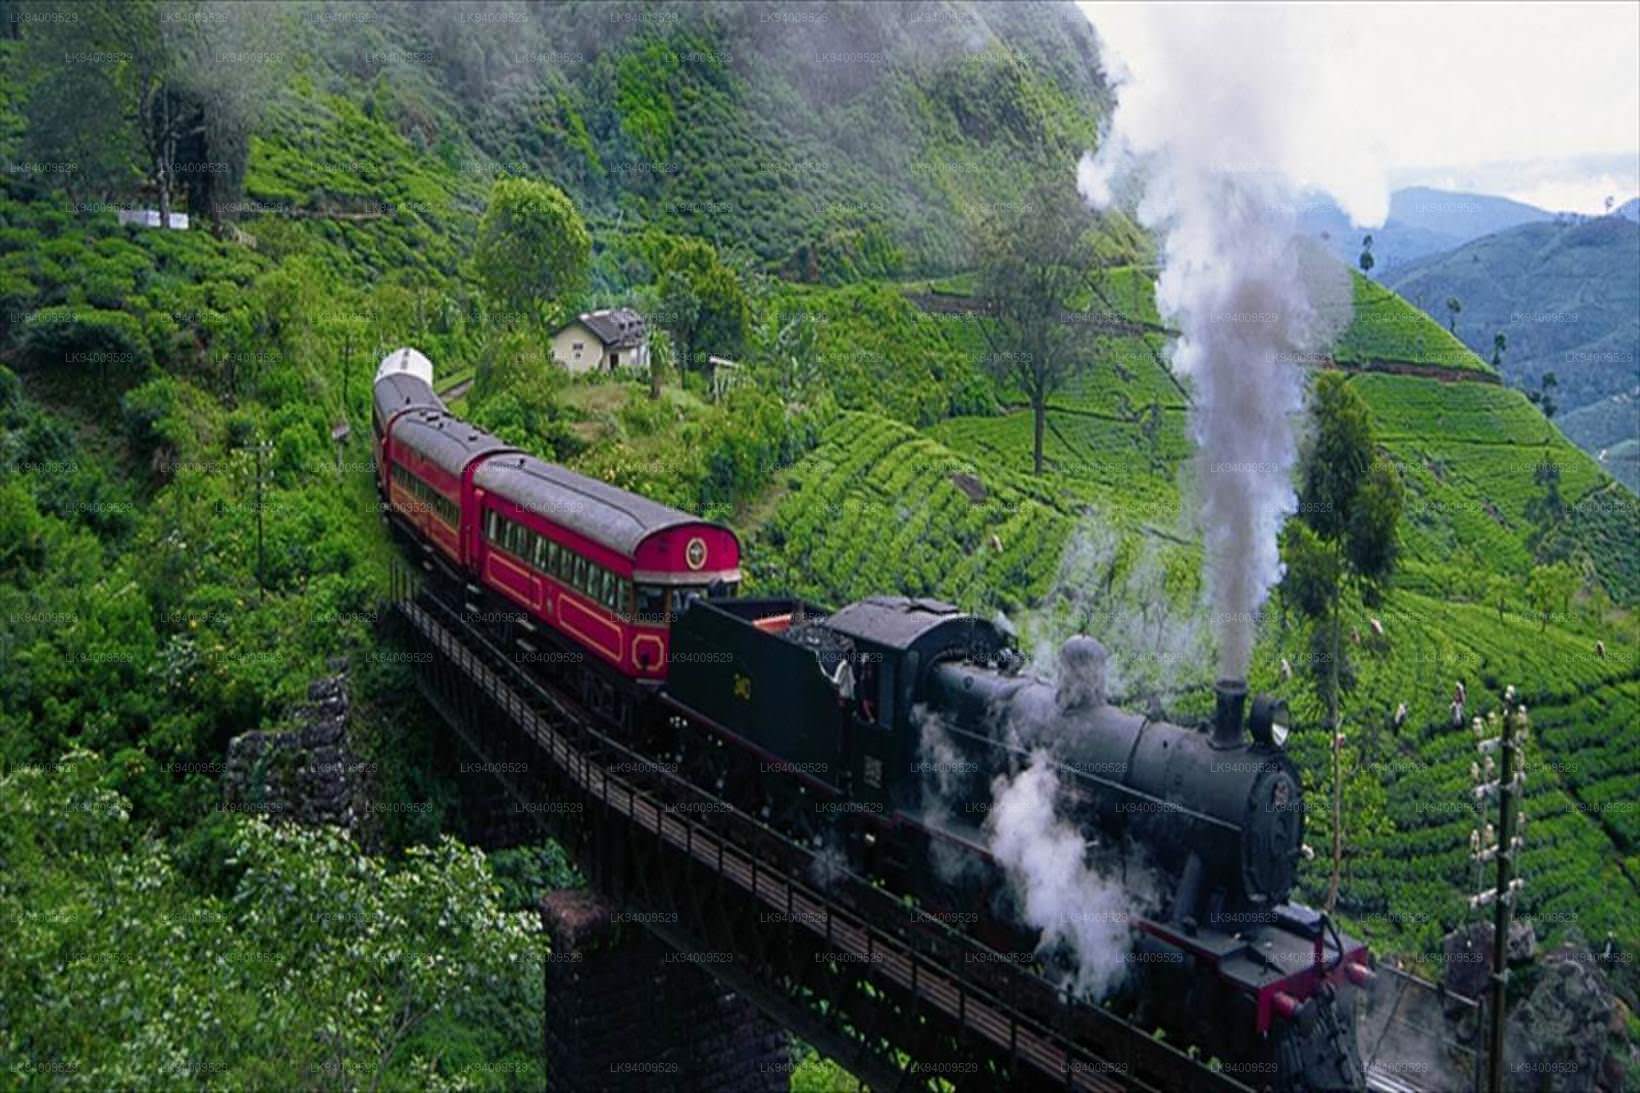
(306, 774)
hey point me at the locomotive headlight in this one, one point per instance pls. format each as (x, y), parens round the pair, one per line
(1269, 721)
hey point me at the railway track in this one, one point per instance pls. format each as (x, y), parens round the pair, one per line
(1057, 1060)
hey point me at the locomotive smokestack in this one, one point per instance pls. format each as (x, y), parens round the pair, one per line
(1232, 697)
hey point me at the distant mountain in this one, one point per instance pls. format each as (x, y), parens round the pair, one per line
(1629, 210)
(1609, 430)
(1422, 221)
(1566, 295)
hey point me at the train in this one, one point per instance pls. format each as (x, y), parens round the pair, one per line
(878, 732)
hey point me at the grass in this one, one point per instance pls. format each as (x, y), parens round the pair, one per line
(1385, 328)
(876, 506)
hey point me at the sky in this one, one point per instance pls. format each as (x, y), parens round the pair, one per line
(1538, 102)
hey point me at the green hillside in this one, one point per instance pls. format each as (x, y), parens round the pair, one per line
(861, 142)
(1566, 295)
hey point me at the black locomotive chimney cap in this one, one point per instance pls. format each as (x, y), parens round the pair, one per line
(1231, 698)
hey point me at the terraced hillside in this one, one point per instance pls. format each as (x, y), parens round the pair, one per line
(1492, 489)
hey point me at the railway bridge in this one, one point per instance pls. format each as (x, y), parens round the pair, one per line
(899, 998)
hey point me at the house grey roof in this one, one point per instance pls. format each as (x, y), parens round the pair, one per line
(606, 514)
(893, 621)
(398, 390)
(617, 328)
(446, 441)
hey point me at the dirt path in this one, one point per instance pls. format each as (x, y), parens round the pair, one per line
(1412, 368)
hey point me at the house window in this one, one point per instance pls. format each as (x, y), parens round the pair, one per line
(614, 359)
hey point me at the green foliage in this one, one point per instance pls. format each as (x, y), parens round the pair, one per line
(701, 301)
(318, 964)
(81, 340)
(1550, 589)
(878, 352)
(532, 248)
(1386, 330)
(877, 507)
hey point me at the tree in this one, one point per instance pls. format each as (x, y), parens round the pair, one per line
(532, 250)
(1453, 306)
(1550, 589)
(1498, 593)
(702, 300)
(679, 311)
(172, 100)
(1366, 255)
(1034, 258)
(76, 113)
(1546, 390)
(1500, 343)
(1350, 503)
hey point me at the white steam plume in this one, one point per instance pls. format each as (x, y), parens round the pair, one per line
(1205, 124)
(1075, 907)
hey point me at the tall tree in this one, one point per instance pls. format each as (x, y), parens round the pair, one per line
(1350, 504)
(532, 250)
(1453, 307)
(1366, 255)
(1035, 257)
(1544, 397)
(702, 299)
(139, 89)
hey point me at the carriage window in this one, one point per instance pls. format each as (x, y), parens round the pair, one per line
(550, 563)
(624, 599)
(580, 581)
(651, 604)
(611, 586)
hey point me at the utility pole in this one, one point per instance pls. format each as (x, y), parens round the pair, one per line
(1509, 744)
(260, 448)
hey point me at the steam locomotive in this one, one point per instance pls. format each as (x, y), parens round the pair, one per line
(883, 731)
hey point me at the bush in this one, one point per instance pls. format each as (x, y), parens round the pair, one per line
(64, 336)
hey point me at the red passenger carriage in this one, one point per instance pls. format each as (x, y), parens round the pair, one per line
(606, 569)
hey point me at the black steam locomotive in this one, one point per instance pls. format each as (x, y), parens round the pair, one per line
(1208, 820)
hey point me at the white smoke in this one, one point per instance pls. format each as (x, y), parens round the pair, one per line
(1078, 910)
(1140, 596)
(943, 774)
(1205, 125)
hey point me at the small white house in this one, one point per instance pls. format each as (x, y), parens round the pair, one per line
(603, 341)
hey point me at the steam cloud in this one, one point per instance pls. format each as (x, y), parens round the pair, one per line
(1045, 859)
(1202, 127)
